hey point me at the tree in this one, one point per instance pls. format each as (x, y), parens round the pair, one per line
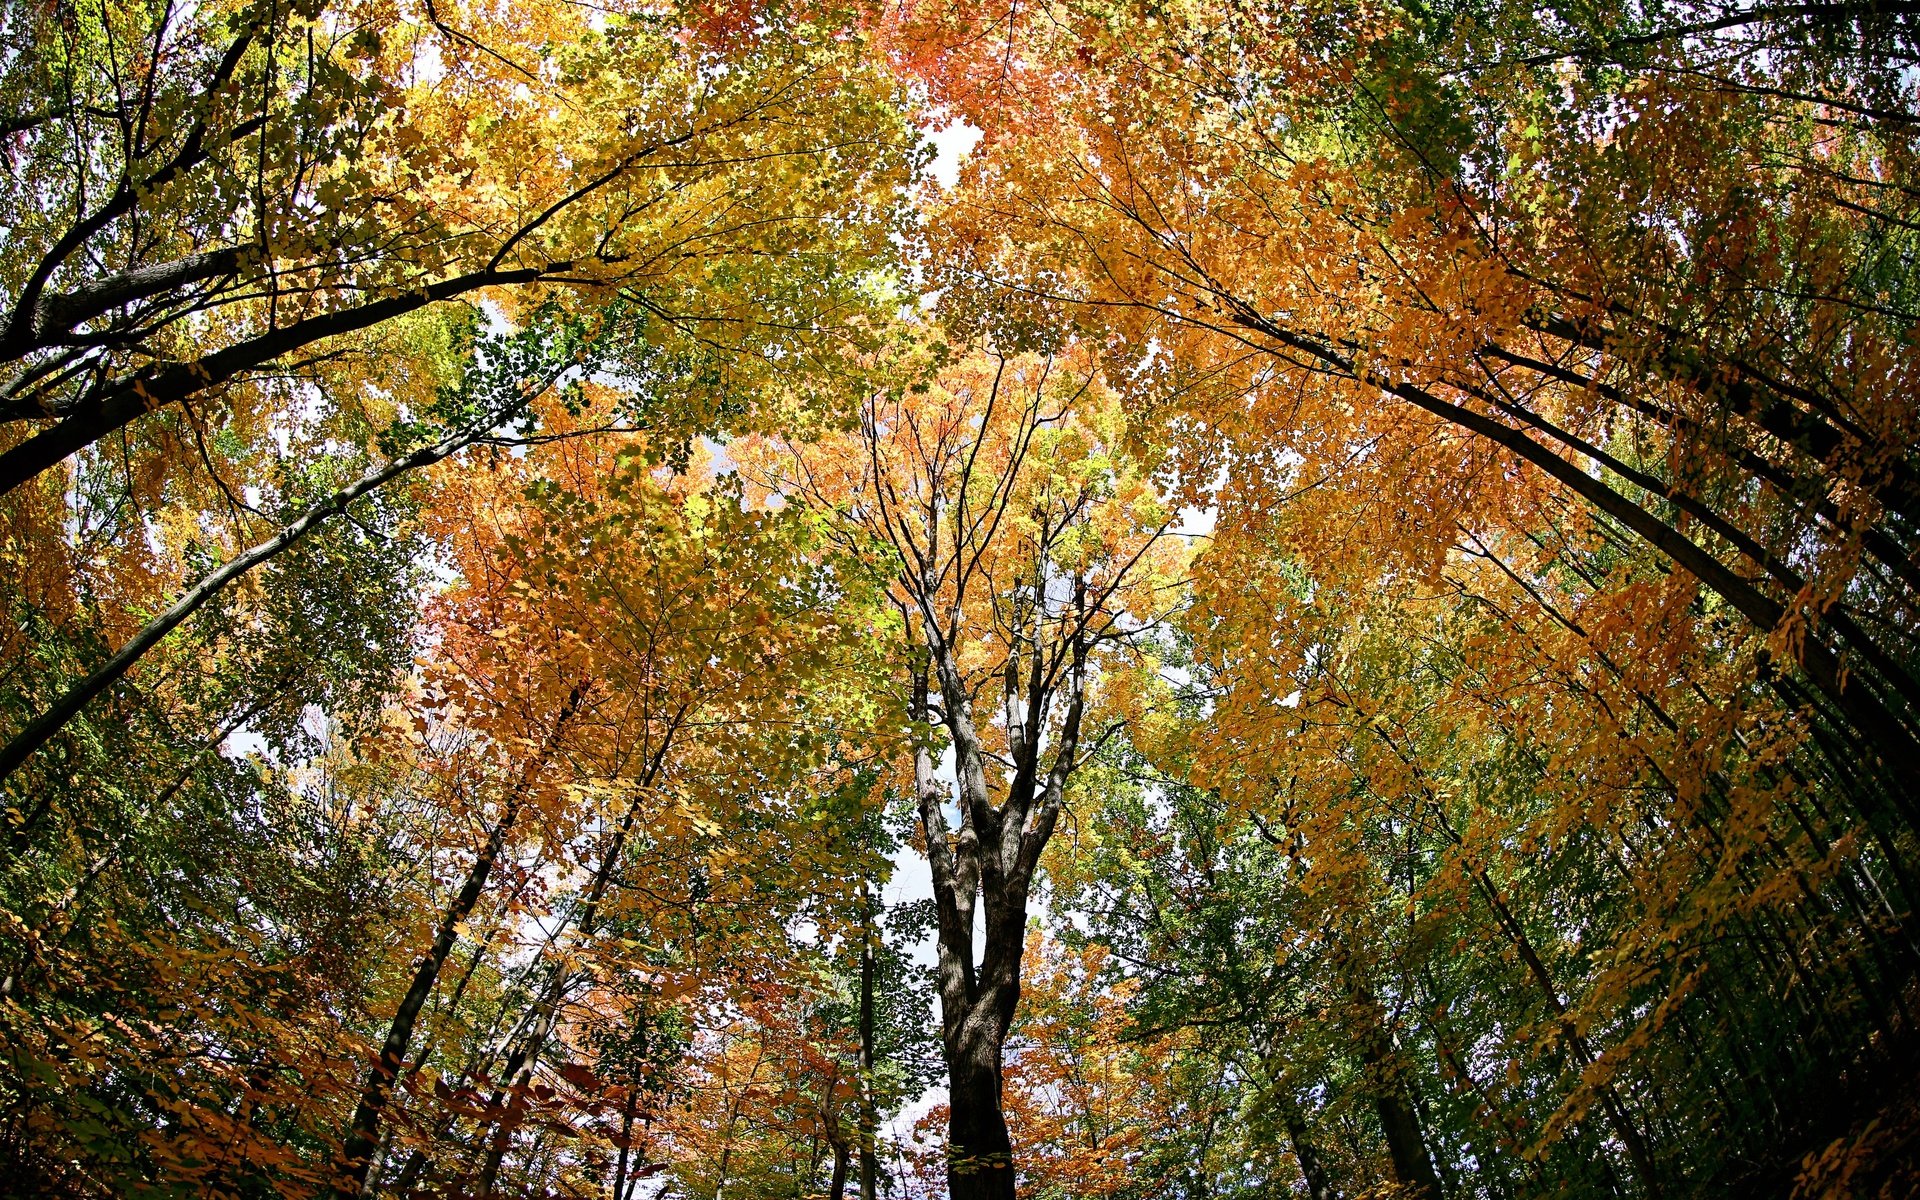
(221, 188)
(314, 363)
(512, 517)
(663, 666)
(1370, 251)
(1018, 550)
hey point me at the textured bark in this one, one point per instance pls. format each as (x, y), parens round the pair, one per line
(979, 1149)
(837, 1189)
(993, 858)
(56, 315)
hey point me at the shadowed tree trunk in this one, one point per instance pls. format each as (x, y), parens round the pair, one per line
(869, 1116)
(1406, 1148)
(987, 867)
(1312, 1171)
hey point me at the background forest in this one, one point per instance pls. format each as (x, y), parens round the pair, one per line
(1076, 598)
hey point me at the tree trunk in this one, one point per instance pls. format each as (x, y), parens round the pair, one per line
(1312, 1170)
(869, 1115)
(989, 862)
(363, 1137)
(979, 1149)
(838, 1188)
(977, 1001)
(1412, 1165)
(626, 1143)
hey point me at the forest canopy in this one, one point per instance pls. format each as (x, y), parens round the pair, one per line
(1073, 599)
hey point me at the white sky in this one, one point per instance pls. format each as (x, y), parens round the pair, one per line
(951, 146)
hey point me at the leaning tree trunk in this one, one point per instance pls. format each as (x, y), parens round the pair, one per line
(1413, 1166)
(1300, 1137)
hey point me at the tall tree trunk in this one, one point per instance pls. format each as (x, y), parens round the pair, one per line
(992, 859)
(1312, 1170)
(1412, 1165)
(626, 1143)
(1009, 803)
(976, 1008)
(979, 1148)
(838, 1188)
(869, 1115)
